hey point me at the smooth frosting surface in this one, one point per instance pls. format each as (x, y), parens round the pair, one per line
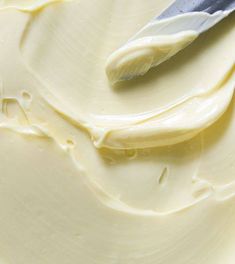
(143, 172)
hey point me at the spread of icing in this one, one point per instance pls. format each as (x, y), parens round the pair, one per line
(143, 172)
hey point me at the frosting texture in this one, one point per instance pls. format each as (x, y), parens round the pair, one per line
(142, 172)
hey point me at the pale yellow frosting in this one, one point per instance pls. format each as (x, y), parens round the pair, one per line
(138, 56)
(139, 173)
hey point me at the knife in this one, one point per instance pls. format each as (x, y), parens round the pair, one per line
(174, 29)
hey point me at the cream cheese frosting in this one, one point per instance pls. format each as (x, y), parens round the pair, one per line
(143, 172)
